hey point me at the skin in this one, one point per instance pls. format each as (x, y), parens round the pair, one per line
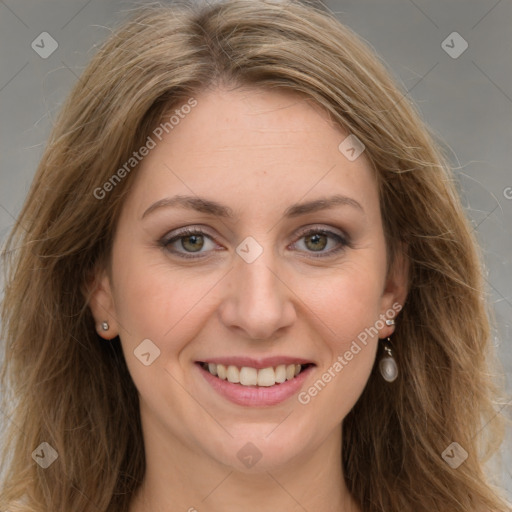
(264, 152)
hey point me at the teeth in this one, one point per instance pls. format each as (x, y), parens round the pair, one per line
(281, 373)
(221, 371)
(247, 376)
(233, 375)
(266, 377)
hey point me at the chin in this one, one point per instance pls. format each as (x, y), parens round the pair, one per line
(260, 448)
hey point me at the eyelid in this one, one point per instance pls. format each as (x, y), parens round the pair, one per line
(342, 238)
(319, 228)
(175, 235)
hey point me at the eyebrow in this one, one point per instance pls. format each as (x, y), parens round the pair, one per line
(210, 207)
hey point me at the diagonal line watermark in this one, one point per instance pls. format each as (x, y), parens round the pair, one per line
(497, 291)
(76, 14)
(492, 81)
(10, 215)
(488, 12)
(65, 475)
(286, 491)
(333, 332)
(79, 78)
(186, 185)
(489, 421)
(424, 13)
(305, 194)
(15, 75)
(485, 218)
(198, 402)
(417, 83)
(207, 292)
(279, 424)
(217, 486)
(117, 321)
(12, 421)
(3, 249)
(5, 5)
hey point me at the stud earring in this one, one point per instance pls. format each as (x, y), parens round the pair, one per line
(390, 321)
(387, 365)
(105, 326)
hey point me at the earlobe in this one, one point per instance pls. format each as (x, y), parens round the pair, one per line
(101, 303)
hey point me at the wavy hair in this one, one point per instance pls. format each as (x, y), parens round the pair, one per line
(63, 385)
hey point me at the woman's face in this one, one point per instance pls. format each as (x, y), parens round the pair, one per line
(279, 276)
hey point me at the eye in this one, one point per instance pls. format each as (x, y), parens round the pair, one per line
(190, 242)
(317, 239)
(188, 239)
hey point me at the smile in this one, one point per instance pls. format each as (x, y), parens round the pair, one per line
(252, 383)
(248, 376)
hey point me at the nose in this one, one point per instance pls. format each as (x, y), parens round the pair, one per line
(258, 303)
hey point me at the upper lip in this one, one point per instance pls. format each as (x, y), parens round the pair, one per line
(257, 363)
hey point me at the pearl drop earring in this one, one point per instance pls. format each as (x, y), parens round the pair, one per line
(387, 365)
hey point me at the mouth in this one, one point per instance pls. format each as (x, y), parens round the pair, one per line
(249, 376)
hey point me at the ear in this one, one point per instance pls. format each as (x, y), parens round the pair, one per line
(101, 303)
(395, 290)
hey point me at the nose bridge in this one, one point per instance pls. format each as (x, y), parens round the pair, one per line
(258, 302)
(257, 283)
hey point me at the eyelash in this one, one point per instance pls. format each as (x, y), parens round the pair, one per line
(183, 233)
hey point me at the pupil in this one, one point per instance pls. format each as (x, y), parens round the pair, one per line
(194, 239)
(315, 239)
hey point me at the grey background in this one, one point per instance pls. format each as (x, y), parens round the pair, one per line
(467, 101)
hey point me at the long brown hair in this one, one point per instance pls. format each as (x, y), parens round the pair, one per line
(64, 385)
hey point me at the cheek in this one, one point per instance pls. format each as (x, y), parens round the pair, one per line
(348, 305)
(348, 355)
(155, 302)
(167, 309)
(348, 301)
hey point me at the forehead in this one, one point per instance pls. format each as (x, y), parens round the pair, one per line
(253, 148)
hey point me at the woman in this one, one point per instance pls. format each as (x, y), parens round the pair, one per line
(243, 279)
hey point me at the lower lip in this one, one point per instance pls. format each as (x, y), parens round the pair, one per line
(255, 395)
